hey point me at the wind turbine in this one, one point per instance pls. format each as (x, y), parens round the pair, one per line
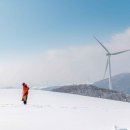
(108, 64)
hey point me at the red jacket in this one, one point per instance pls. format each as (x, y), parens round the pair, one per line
(25, 90)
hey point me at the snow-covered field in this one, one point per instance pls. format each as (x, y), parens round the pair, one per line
(58, 111)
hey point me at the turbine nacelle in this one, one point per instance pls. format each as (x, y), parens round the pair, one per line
(108, 54)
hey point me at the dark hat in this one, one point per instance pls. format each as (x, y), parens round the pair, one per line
(23, 84)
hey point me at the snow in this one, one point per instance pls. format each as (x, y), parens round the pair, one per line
(58, 111)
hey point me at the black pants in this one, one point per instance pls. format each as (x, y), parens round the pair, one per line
(25, 99)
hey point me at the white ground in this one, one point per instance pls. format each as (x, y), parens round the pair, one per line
(58, 111)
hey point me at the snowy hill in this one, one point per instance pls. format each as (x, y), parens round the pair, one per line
(120, 82)
(90, 90)
(59, 111)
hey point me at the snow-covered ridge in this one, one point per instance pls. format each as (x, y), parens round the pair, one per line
(90, 90)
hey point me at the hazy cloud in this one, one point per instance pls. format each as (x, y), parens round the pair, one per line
(72, 65)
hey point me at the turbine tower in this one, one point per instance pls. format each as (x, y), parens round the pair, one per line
(108, 64)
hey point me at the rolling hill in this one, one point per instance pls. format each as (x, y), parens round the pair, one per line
(90, 90)
(120, 82)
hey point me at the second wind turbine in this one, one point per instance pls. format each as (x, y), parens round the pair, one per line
(108, 54)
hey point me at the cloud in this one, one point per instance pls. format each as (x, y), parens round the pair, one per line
(72, 65)
(121, 40)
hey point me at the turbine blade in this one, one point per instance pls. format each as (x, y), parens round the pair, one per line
(119, 52)
(106, 69)
(101, 44)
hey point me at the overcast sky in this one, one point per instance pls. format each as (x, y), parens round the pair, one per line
(50, 42)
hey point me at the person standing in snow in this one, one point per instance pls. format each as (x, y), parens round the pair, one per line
(25, 90)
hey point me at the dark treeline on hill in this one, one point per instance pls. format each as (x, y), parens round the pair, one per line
(90, 90)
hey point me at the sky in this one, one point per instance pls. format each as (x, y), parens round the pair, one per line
(48, 43)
